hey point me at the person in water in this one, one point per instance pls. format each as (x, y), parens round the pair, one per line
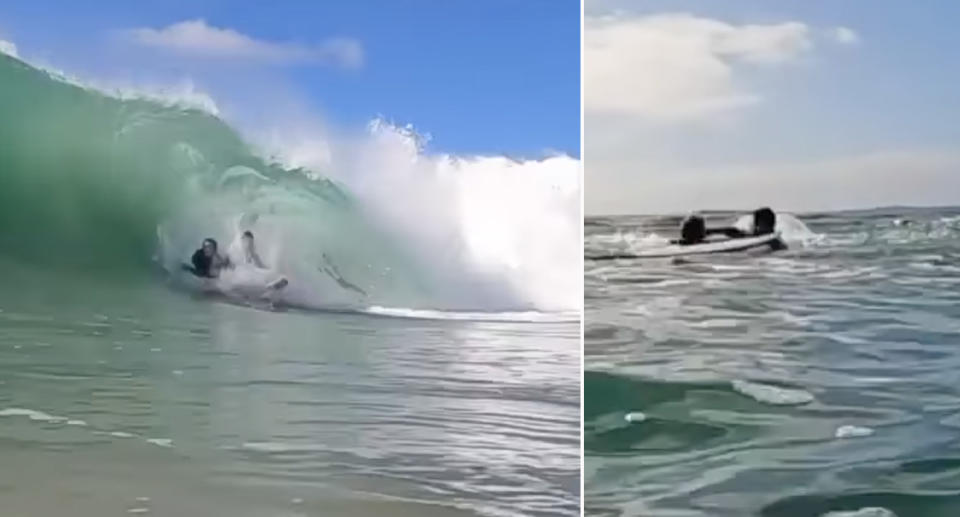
(331, 271)
(250, 255)
(207, 262)
(693, 229)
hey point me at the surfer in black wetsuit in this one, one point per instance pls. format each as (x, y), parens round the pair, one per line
(206, 262)
(693, 229)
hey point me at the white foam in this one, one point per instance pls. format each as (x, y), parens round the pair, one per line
(38, 416)
(632, 241)
(120, 434)
(8, 48)
(872, 511)
(277, 447)
(162, 442)
(493, 232)
(718, 323)
(774, 395)
(852, 431)
(267, 447)
(521, 316)
(791, 229)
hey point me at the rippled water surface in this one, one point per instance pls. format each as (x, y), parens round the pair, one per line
(816, 381)
(135, 398)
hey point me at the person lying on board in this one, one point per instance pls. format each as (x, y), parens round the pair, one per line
(693, 229)
(207, 262)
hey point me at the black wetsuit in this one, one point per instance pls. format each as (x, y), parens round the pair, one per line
(201, 264)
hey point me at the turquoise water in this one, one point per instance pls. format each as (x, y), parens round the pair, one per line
(811, 382)
(114, 392)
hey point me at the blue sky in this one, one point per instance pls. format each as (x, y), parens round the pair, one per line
(775, 106)
(496, 76)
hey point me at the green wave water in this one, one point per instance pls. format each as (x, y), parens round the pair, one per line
(118, 184)
(89, 181)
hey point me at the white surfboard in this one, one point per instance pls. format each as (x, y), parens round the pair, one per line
(677, 250)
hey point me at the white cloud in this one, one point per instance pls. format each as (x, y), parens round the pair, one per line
(666, 129)
(8, 48)
(845, 35)
(676, 67)
(197, 39)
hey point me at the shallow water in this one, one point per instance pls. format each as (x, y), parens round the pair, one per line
(822, 379)
(131, 397)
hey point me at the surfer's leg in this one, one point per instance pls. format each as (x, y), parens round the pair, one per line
(347, 285)
(337, 277)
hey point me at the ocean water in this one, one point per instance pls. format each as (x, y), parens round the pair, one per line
(822, 380)
(113, 392)
(419, 363)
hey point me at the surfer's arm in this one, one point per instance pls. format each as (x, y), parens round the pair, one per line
(198, 267)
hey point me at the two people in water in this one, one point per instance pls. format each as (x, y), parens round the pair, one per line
(207, 262)
(693, 229)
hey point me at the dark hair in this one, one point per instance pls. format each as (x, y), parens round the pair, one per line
(693, 229)
(765, 216)
(211, 241)
(248, 233)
